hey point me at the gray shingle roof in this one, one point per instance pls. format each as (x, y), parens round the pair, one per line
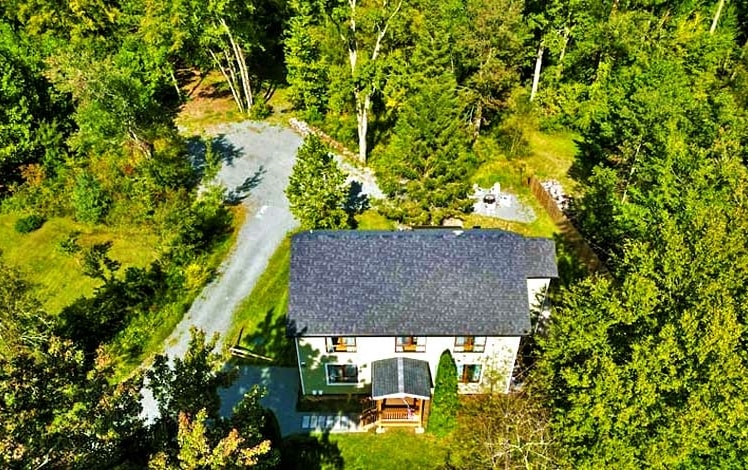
(400, 376)
(420, 282)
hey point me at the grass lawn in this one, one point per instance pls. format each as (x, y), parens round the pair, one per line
(261, 317)
(159, 328)
(552, 156)
(395, 449)
(509, 174)
(58, 277)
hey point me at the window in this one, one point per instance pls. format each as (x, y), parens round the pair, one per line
(342, 374)
(340, 344)
(468, 373)
(410, 344)
(470, 344)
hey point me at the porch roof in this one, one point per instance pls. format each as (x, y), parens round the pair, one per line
(400, 377)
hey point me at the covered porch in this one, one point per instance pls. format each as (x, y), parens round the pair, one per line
(400, 394)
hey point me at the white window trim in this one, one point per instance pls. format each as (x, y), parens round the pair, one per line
(459, 376)
(476, 344)
(330, 346)
(420, 344)
(327, 375)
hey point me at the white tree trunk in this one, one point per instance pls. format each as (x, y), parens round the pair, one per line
(226, 75)
(176, 84)
(241, 65)
(362, 118)
(536, 75)
(720, 5)
(567, 36)
(363, 98)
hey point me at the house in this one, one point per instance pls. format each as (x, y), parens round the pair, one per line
(372, 311)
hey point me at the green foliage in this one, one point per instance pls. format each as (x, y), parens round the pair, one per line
(307, 74)
(502, 431)
(444, 404)
(190, 384)
(630, 362)
(97, 264)
(317, 192)
(260, 109)
(57, 411)
(427, 163)
(90, 202)
(69, 245)
(29, 223)
(22, 321)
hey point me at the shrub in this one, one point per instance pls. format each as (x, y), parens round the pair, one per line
(444, 405)
(29, 224)
(260, 109)
(70, 245)
(90, 201)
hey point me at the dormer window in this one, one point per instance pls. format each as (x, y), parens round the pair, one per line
(340, 344)
(470, 344)
(410, 344)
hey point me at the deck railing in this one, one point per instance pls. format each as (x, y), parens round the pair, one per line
(399, 414)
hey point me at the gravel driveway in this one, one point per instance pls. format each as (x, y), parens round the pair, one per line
(260, 162)
(264, 156)
(258, 159)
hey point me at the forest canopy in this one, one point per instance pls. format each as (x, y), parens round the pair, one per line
(643, 367)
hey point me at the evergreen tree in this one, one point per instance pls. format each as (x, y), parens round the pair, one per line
(307, 72)
(651, 370)
(444, 405)
(425, 167)
(317, 191)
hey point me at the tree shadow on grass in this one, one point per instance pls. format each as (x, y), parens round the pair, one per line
(356, 203)
(310, 452)
(269, 339)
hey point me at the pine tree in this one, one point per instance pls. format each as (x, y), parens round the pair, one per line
(317, 191)
(427, 163)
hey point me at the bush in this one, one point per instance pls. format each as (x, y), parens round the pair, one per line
(260, 109)
(70, 245)
(29, 224)
(444, 405)
(90, 201)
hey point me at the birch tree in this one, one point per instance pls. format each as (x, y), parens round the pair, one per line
(362, 28)
(229, 37)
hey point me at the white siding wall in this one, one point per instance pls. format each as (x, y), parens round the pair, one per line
(497, 361)
(536, 289)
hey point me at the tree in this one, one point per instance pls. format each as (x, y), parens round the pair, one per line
(307, 71)
(425, 167)
(498, 431)
(57, 413)
(647, 370)
(186, 391)
(196, 451)
(444, 406)
(30, 111)
(23, 323)
(189, 384)
(89, 199)
(317, 191)
(362, 29)
(491, 50)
